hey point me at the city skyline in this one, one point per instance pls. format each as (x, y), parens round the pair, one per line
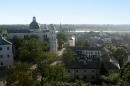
(65, 11)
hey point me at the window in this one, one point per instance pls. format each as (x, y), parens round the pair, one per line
(93, 77)
(77, 77)
(98, 52)
(77, 71)
(7, 48)
(1, 56)
(0, 48)
(1, 63)
(84, 77)
(8, 56)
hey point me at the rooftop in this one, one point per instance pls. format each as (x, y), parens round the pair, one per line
(3, 41)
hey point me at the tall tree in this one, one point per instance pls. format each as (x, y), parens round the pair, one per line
(50, 73)
(121, 54)
(20, 74)
(68, 56)
(31, 50)
(62, 38)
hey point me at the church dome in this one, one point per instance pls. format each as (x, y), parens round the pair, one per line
(34, 25)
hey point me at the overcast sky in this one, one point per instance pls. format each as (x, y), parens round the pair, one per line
(65, 11)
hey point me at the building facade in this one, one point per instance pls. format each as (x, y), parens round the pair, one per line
(88, 63)
(6, 54)
(44, 34)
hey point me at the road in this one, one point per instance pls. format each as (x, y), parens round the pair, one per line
(2, 84)
(59, 57)
(55, 61)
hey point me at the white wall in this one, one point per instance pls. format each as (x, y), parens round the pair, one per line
(5, 52)
(51, 35)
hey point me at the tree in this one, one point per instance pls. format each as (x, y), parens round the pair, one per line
(20, 74)
(62, 38)
(31, 50)
(111, 79)
(103, 70)
(68, 56)
(125, 73)
(50, 73)
(57, 73)
(3, 32)
(17, 42)
(121, 55)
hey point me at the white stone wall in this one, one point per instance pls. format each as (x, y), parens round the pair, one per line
(53, 40)
(72, 41)
(6, 55)
(51, 34)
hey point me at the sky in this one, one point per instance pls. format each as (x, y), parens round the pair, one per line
(65, 11)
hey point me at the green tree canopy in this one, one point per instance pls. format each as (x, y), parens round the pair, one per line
(62, 38)
(31, 50)
(20, 74)
(68, 56)
(121, 54)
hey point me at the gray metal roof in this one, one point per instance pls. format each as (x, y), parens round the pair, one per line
(89, 65)
(18, 31)
(3, 41)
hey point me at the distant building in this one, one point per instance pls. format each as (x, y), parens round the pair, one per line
(48, 33)
(88, 63)
(6, 54)
(72, 41)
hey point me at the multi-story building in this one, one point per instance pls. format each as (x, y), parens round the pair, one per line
(6, 54)
(47, 33)
(88, 63)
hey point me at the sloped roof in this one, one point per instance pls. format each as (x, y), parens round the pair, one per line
(110, 66)
(86, 48)
(18, 31)
(89, 65)
(4, 41)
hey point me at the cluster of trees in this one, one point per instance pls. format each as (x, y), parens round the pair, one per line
(3, 32)
(21, 74)
(62, 38)
(32, 67)
(120, 54)
(32, 57)
(68, 56)
(30, 49)
(120, 78)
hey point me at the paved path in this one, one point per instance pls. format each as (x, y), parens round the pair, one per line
(59, 58)
(55, 61)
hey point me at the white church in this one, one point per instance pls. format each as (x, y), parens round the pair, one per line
(46, 32)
